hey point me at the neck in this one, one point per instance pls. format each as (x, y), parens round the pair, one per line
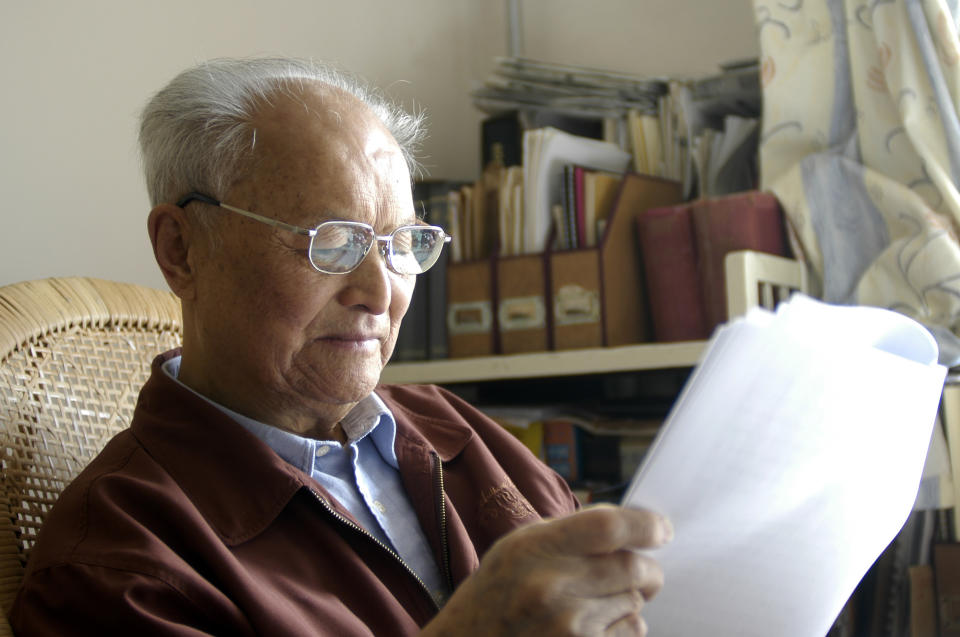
(334, 432)
(321, 424)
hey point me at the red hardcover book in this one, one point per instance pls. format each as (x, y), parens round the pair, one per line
(671, 272)
(749, 220)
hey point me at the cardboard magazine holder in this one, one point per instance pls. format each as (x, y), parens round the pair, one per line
(522, 304)
(575, 299)
(597, 293)
(471, 308)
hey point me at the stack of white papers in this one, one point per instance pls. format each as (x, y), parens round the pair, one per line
(789, 462)
(545, 152)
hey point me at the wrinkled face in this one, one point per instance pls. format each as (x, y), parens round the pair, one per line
(278, 340)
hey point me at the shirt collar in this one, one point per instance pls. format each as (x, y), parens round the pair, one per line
(369, 416)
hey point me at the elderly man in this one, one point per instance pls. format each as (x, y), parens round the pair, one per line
(267, 484)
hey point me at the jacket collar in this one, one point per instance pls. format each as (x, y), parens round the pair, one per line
(426, 420)
(235, 480)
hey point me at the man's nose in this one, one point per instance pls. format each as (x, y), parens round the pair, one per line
(369, 284)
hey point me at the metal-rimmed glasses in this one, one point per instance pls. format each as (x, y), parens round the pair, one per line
(339, 247)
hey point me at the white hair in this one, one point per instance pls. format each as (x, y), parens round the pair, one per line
(196, 134)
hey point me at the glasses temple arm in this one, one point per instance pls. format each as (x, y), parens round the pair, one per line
(269, 221)
(195, 196)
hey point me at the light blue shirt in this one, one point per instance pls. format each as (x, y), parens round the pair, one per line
(363, 475)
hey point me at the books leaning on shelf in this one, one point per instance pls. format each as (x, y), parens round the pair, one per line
(683, 249)
(423, 333)
(790, 460)
(545, 153)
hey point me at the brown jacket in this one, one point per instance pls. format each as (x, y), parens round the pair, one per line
(187, 524)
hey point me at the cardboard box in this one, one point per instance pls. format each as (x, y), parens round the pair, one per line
(470, 309)
(575, 299)
(521, 301)
(598, 293)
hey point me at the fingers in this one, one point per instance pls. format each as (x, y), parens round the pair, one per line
(605, 529)
(628, 626)
(619, 572)
(579, 575)
(614, 615)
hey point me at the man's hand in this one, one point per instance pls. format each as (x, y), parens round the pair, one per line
(577, 575)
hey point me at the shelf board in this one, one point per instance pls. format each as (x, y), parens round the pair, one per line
(597, 360)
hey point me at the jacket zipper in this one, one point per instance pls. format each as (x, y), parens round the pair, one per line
(442, 514)
(365, 533)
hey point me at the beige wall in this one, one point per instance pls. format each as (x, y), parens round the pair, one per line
(75, 75)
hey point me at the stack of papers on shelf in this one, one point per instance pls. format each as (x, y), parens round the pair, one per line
(545, 152)
(574, 90)
(789, 462)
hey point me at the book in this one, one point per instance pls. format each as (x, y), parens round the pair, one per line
(560, 450)
(587, 199)
(638, 146)
(435, 281)
(653, 141)
(466, 225)
(646, 142)
(599, 458)
(946, 568)
(439, 210)
(455, 211)
(485, 202)
(671, 272)
(423, 333)
(510, 208)
(578, 206)
(923, 602)
(789, 462)
(622, 296)
(749, 220)
(599, 193)
(567, 234)
(411, 344)
(529, 433)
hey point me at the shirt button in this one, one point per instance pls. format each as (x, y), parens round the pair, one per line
(379, 506)
(323, 450)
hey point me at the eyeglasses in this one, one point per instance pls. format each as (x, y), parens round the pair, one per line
(339, 247)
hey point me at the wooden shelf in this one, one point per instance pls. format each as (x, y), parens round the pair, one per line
(547, 364)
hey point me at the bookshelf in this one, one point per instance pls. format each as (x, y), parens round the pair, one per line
(752, 279)
(599, 360)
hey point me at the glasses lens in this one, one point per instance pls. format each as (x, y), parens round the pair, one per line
(415, 249)
(340, 246)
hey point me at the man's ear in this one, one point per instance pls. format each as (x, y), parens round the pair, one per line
(173, 239)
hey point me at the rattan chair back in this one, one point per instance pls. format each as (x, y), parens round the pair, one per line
(74, 353)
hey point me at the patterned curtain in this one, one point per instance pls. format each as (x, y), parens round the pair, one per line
(861, 144)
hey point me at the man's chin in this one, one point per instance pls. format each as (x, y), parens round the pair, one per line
(348, 387)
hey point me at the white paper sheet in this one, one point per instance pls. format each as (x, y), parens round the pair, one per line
(789, 462)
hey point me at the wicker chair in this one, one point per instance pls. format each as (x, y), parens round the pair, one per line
(74, 353)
